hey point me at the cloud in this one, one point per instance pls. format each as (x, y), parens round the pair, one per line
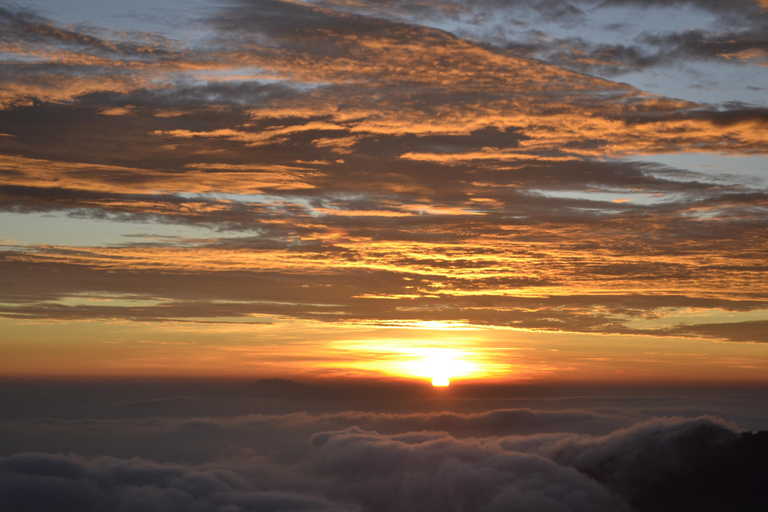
(353, 469)
(198, 445)
(420, 286)
(733, 331)
(712, 5)
(747, 46)
(382, 157)
(37, 482)
(415, 472)
(735, 35)
(283, 436)
(663, 464)
(54, 62)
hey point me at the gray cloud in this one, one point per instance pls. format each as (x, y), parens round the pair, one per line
(650, 50)
(466, 476)
(37, 482)
(355, 469)
(738, 6)
(283, 437)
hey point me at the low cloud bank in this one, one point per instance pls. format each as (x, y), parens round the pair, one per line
(659, 465)
(283, 436)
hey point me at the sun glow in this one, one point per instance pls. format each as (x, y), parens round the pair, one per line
(440, 365)
(435, 357)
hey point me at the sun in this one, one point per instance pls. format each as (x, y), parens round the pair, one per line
(441, 381)
(443, 366)
(440, 365)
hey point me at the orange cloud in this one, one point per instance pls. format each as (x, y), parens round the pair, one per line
(198, 178)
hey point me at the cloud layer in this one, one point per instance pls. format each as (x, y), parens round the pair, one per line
(355, 469)
(204, 446)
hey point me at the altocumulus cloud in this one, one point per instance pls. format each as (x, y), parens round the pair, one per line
(386, 158)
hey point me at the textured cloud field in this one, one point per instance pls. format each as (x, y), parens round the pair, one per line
(387, 163)
(641, 453)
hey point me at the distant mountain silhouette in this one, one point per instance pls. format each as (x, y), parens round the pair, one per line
(281, 388)
(335, 391)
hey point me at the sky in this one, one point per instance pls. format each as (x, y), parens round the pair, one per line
(497, 191)
(245, 244)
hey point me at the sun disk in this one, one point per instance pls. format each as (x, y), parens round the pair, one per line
(440, 381)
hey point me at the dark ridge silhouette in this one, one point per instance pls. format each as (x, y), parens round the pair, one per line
(732, 477)
(282, 389)
(335, 391)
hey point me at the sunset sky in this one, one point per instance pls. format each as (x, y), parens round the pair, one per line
(488, 190)
(383, 255)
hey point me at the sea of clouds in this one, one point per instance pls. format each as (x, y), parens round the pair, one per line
(570, 454)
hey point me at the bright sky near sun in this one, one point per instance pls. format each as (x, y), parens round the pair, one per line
(425, 190)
